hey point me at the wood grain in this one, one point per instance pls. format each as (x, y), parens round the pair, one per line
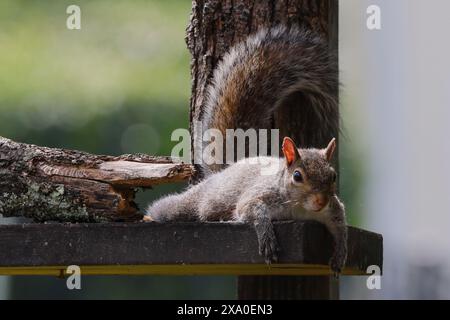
(178, 248)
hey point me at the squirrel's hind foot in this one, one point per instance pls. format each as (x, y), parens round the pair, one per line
(147, 218)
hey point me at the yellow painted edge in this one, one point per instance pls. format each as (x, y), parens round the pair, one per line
(191, 269)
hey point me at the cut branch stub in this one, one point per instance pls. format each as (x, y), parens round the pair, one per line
(64, 185)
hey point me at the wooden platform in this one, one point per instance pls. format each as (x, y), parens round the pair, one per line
(177, 249)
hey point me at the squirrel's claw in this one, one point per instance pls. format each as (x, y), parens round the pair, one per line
(268, 248)
(337, 262)
(267, 241)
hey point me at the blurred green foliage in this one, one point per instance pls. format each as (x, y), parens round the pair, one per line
(124, 51)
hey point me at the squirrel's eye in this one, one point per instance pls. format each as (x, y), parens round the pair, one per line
(298, 176)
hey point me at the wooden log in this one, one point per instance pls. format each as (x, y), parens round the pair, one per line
(179, 248)
(65, 185)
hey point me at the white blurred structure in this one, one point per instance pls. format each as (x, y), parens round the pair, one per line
(4, 280)
(396, 109)
(4, 288)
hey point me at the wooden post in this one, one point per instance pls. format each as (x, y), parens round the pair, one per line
(214, 27)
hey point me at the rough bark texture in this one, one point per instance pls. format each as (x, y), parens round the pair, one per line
(64, 185)
(215, 26)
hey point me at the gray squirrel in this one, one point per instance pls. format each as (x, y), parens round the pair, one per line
(250, 82)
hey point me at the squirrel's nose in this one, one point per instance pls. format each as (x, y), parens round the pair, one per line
(319, 201)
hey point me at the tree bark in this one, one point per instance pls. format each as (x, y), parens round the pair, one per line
(72, 186)
(215, 26)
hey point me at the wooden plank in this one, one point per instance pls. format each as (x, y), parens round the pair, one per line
(177, 248)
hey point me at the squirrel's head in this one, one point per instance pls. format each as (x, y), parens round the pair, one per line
(310, 179)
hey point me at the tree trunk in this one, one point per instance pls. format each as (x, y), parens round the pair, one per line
(72, 186)
(215, 26)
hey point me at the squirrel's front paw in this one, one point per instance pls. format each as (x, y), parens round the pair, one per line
(338, 259)
(268, 246)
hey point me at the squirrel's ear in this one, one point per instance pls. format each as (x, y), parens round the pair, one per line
(290, 151)
(329, 150)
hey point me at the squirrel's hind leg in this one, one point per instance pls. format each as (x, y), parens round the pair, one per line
(175, 207)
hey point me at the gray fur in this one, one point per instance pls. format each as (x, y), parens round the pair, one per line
(241, 193)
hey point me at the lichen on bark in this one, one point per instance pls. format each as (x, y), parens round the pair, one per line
(44, 202)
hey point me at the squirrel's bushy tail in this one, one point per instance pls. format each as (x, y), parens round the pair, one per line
(274, 67)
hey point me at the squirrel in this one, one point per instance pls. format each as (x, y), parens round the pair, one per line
(250, 82)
